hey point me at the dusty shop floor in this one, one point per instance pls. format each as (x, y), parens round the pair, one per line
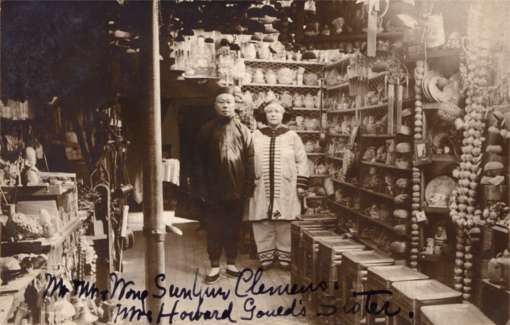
(186, 259)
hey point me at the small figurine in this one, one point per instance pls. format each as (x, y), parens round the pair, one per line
(371, 181)
(373, 211)
(429, 249)
(30, 173)
(370, 125)
(381, 154)
(388, 185)
(440, 240)
(369, 154)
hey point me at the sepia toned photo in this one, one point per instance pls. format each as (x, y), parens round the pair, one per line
(266, 162)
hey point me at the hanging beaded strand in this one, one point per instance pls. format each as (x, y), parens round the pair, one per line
(416, 179)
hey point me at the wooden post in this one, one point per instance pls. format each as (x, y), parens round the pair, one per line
(153, 224)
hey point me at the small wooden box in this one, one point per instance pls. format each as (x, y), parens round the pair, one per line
(455, 314)
(352, 275)
(329, 257)
(410, 296)
(381, 277)
(310, 249)
(296, 232)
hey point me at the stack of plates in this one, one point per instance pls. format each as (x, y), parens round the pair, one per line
(431, 90)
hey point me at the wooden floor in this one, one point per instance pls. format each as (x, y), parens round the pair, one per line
(187, 255)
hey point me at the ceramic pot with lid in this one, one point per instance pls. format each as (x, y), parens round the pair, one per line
(286, 99)
(258, 76)
(298, 100)
(309, 101)
(310, 79)
(285, 76)
(270, 77)
(249, 51)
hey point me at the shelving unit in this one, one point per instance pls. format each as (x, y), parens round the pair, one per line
(382, 114)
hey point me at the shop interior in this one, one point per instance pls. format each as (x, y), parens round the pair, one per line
(403, 107)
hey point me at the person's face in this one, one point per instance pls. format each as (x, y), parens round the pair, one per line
(274, 114)
(225, 105)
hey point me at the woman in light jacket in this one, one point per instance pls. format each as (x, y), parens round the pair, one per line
(281, 176)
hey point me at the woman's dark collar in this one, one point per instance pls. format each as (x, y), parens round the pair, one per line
(274, 132)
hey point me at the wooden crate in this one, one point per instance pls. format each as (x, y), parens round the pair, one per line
(352, 275)
(296, 231)
(410, 296)
(310, 248)
(382, 277)
(328, 258)
(465, 313)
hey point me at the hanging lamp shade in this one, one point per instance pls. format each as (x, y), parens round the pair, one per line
(269, 11)
(255, 27)
(254, 12)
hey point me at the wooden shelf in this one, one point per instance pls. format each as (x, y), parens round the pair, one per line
(370, 107)
(351, 37)
(283, 62)
(308, 131)
(437, 210)
(318, 176)
(377, 136)
(340, 111)
(41, 245)
(256, 85)
(381, 195)
(444, 158)
(340, 135)
(40, 190)
(303, 109)
(345, 184)
(381, 165)
(315, 154)
(367, 218)
(337, 63)
(338, 86)
(21, 282)
(335, 158)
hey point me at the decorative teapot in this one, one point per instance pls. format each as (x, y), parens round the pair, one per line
(270, 77)
(298, 100)
(286, 99)
(309, 101)
(309, 123)
(285, 76)
(263, 51)
(258, 76)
